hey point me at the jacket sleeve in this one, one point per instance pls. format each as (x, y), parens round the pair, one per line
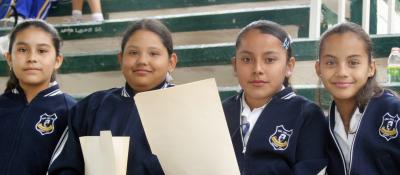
(67, 158)
(311, 156)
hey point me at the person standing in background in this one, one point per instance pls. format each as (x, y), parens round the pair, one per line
(95, 7)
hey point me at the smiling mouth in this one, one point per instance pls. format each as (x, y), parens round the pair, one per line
(342, 84)
(141, 72)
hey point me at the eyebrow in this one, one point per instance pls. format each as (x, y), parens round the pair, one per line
(135, 47)
(350, 56)
(24, 43)
(329, 55)
(265, 53)
(354, 56)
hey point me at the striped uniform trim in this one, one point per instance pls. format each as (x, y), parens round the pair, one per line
(124, 93)
(15, 91)
(288, 96)
(54, 93)
(60, 146)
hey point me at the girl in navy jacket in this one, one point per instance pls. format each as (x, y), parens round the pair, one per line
(273, 130)
(33, 110)
(363, 118)
(146, 58)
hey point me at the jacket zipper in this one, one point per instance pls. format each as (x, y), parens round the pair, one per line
(355, 137)
(337, 145)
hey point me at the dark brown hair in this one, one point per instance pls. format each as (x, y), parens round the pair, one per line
(154, 26)
(13, 80)
(272, 28)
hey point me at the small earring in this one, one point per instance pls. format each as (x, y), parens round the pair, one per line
(169, 77)
(288, 73)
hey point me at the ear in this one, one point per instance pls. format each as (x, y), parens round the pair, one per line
(59, 61)
(290, 66)
(318, 68)
(372, 68)
(173, 60)
(233, 62)
(120, 55)
(8, 58)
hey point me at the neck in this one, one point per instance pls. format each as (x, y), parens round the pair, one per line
(137, 89)
(346, 109)
(255, 102)
(32, 90)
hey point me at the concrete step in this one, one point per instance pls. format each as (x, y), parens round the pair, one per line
(111, 44)
(233, 18)
(63, 8)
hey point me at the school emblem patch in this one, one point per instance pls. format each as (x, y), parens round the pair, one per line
(388, 128)
(279, 140)
(45, 125)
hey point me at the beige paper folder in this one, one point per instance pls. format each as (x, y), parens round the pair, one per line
(186, 128)
(105, 154)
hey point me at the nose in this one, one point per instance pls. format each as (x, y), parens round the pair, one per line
(257, 69)
(32, 57)
(142, 59)
(342, 70)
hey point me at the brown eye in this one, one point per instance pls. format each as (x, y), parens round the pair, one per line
(21, 50)
(270, 60)
(133, 52)
(43, 51)
(246, 59)
(154, 54)
(330, 62)
(354, 62)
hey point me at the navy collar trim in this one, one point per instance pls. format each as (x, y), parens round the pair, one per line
(128, 92)
(284, 94)
(53, 90)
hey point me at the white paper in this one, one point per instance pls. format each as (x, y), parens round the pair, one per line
(104, 154)
(186, 128)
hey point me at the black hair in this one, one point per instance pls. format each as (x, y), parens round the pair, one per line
(371, 88)
(13, 80)
(272, 28)
(154, 26)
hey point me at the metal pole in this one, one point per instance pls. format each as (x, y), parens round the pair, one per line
(365, 15)
(391, 14)
(315, 19)
(341, 11)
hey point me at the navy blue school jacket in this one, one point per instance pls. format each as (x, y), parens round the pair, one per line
(29, 132)
(113, 110)
(288, 138)
(376, 148)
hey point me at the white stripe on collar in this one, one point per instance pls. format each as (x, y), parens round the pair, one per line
(289, 96)
(124, 93)
(53, 93)
(15, 91)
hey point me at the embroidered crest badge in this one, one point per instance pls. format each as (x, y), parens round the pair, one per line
(279, 140)
(45, 125)
(388, 128)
